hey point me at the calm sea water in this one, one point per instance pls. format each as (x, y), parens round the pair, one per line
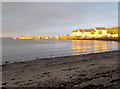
(23, 50)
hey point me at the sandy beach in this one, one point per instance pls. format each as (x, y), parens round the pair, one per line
(88, 71)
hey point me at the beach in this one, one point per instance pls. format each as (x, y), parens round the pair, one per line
(87, 71)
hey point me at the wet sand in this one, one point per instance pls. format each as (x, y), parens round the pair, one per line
(88, 71)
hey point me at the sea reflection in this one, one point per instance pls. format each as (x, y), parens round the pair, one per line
(92, 46)
(37, 43)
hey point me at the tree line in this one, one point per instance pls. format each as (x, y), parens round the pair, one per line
(113, 30)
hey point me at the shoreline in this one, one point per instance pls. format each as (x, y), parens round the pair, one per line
(80, 38)
(93, 38)
(69, 71)
(57, 57)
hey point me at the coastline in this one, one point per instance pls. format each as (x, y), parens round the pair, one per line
(87, 70)
(78, 38)
(93, 38)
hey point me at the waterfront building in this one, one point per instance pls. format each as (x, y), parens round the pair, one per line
(89, 32)
(93, 32)
(100, 31)
(77, 32)
(61, 36)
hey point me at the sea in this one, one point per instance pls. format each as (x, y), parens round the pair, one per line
(30, 49)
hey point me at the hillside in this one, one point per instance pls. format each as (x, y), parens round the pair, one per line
(113, 30)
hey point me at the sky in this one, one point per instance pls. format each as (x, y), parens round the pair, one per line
(55, 18)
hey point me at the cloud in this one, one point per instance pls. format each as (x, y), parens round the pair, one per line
(50, 18)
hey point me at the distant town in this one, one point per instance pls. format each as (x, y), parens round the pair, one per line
(92, 33)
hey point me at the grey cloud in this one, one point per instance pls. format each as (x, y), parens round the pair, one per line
(51, 18)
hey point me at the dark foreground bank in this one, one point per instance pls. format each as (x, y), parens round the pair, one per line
(89, 71)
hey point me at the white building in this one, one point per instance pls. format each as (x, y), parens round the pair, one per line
(100, 31)
(93, 32)
(77, 32)
(89, 32)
